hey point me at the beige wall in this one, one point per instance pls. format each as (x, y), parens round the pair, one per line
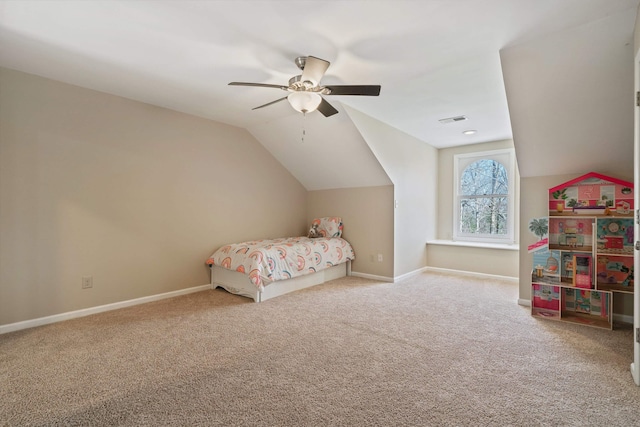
(499, 262)
(534, 204)
(134, 195)
(412, 166)
(367, 215)
(480, 260)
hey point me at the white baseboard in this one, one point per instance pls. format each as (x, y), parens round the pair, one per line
(623, 318)
(474, 274)
(372, 276)
(409, 274)
(434, 269)
(12, 327)
(524, 302)
(634, 374)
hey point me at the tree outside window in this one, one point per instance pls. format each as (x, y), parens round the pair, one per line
(484, 197)
(484, 203)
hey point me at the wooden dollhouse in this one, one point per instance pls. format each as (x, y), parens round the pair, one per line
(590, 233)
(591, 194)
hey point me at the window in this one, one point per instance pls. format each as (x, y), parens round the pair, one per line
(484, 196)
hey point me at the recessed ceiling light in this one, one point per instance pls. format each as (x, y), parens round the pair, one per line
(469, 132)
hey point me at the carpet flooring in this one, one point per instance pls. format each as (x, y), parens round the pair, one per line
(432, 350)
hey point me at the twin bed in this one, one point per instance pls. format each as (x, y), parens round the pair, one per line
(264, 269)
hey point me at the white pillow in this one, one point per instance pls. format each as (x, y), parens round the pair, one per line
(330, 226)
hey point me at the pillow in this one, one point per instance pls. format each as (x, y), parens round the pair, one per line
(326, 227)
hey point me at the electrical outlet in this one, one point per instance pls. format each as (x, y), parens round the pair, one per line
(87, 282)
(379, 257)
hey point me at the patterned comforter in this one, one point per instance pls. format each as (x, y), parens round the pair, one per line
(266, 261)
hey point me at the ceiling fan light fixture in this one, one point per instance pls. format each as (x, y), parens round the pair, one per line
(304, 102)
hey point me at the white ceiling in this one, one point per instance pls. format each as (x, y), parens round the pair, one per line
(434, 58)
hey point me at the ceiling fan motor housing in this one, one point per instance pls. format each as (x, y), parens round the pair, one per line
(296, 84)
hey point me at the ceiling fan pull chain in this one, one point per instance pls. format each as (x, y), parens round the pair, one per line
(304, 117)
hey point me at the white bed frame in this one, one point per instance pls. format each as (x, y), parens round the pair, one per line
(239, 284)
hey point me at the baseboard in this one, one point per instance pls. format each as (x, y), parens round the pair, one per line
(409, 274)
(372, 276)
(12, 327)
(434, 269)
(473, 273)
(524, 302)
(623, 318)
(634, 374)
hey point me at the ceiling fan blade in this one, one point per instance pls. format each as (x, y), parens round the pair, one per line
(258, 85)
(365, 90)
(270, 103)
(326, 109)
(314, 69)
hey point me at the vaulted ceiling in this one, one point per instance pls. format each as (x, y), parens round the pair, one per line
(552, 74)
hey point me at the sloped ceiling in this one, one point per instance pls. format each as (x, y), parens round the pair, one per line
(434, 59)
(321, 156)
(571, 97)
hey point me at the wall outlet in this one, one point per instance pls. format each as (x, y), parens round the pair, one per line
(87, 282)
(379, 257)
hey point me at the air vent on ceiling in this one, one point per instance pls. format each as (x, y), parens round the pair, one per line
(453, 119)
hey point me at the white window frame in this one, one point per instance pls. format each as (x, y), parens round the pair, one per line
(506, 157)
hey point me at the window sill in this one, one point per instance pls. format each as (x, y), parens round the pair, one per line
(482, 245)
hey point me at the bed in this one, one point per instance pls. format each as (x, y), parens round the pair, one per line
(264, 269)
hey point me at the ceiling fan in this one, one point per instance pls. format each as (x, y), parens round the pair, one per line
(305, 90)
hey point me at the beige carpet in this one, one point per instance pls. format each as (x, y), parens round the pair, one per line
(432, 350)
